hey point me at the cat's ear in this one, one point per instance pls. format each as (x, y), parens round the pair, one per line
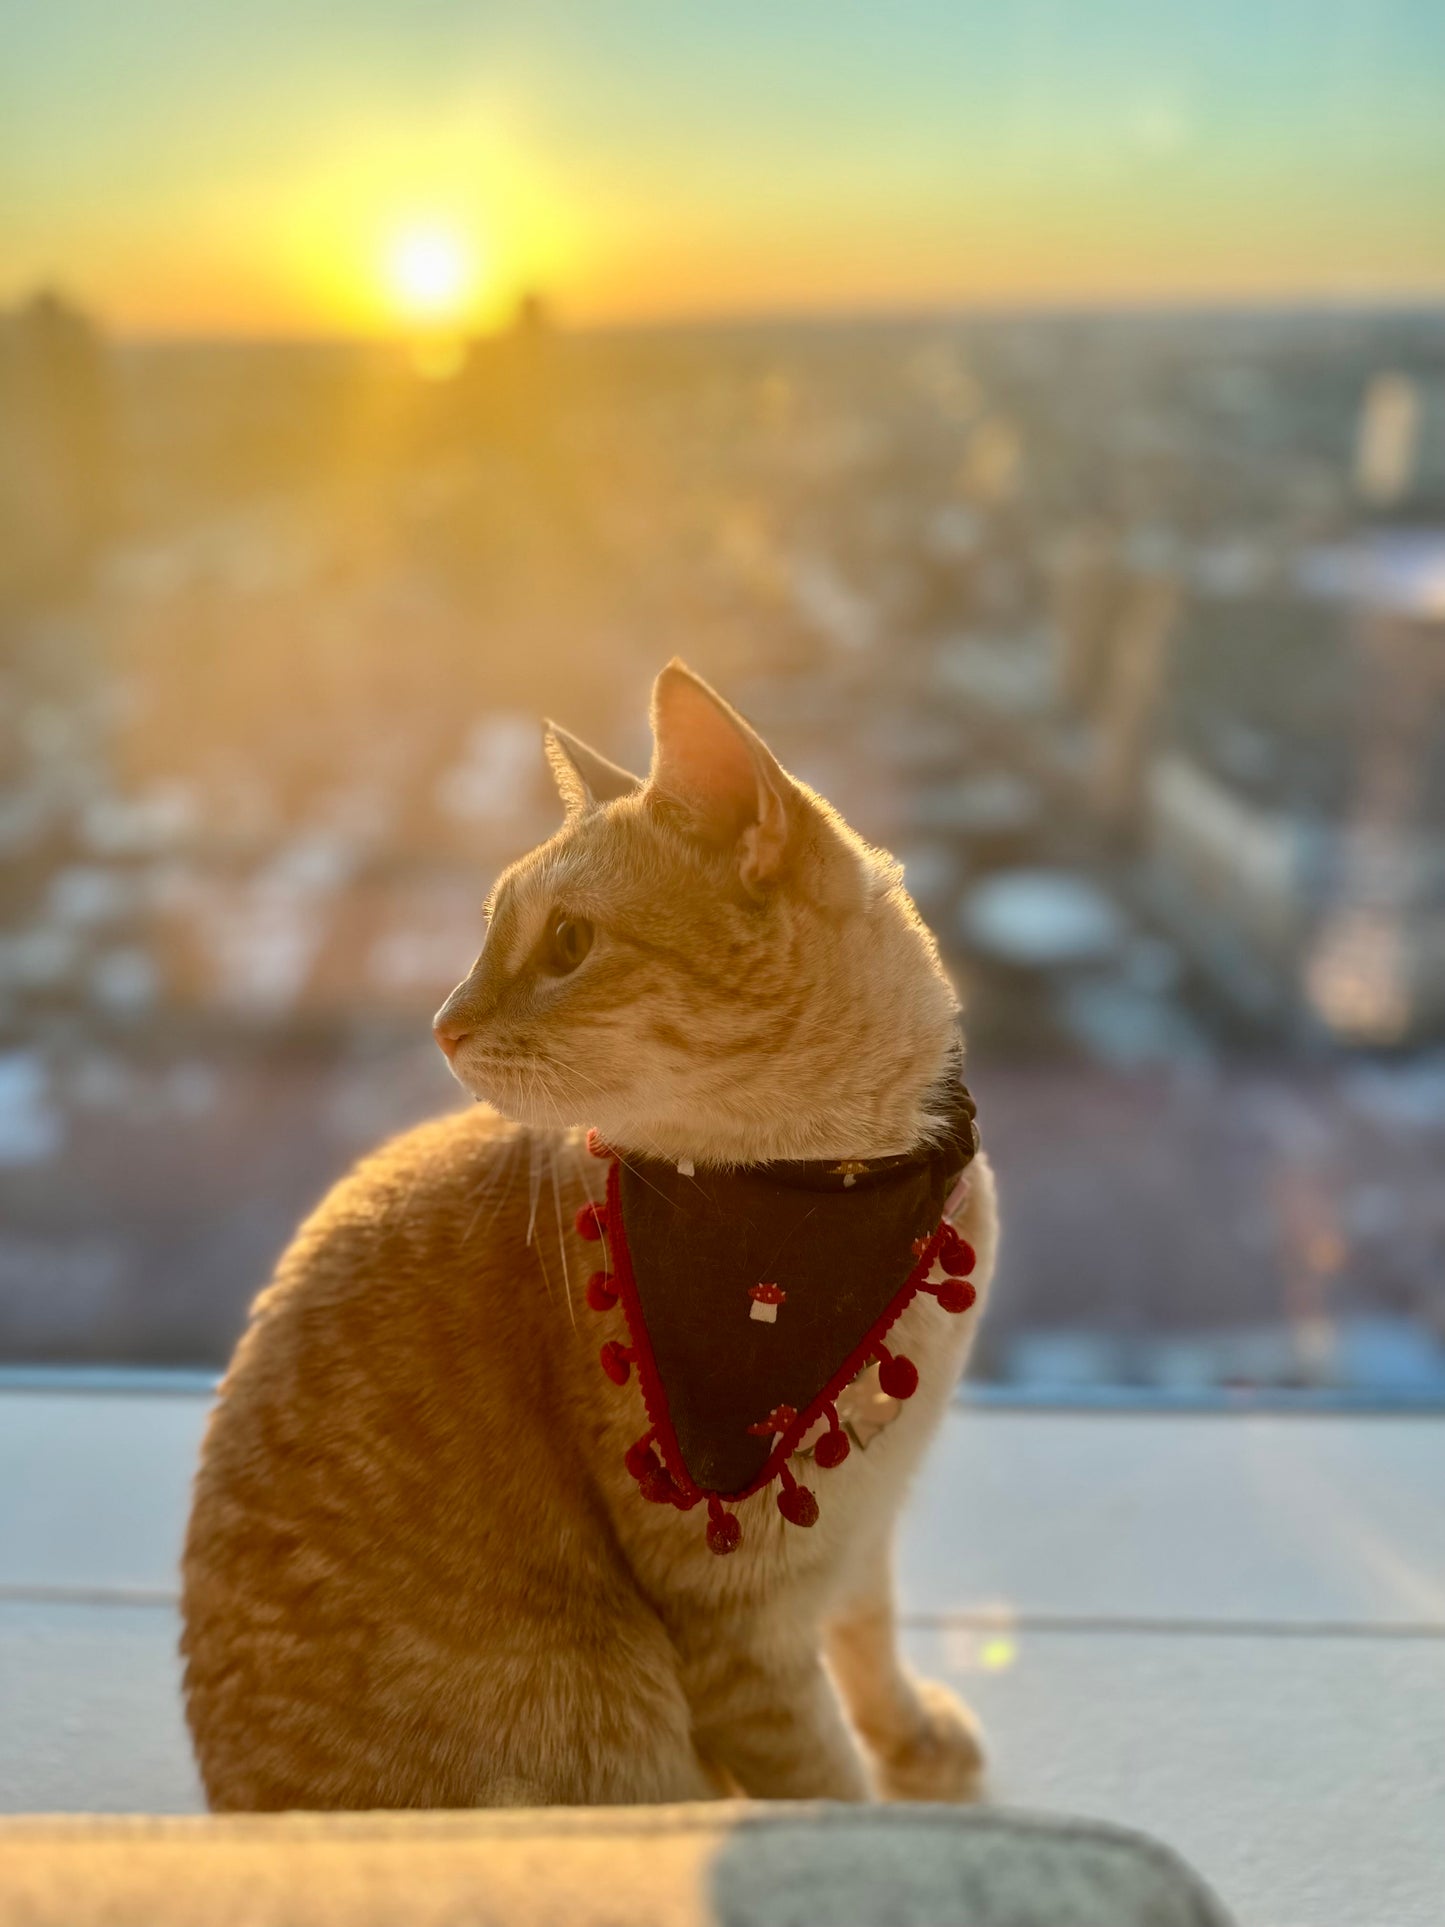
(583, 777)
(709, 764)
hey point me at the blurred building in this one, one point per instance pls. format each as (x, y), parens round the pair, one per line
(58, 445)
(1257, 713)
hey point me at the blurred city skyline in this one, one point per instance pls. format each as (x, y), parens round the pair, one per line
(1123, 634)
(1033, 419)
(356, 168)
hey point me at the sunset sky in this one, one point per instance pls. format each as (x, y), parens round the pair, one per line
(360, 166)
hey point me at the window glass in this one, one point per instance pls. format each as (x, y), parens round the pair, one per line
(1036, 424)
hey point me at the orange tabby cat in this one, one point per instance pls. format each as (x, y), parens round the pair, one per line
(417, 1572)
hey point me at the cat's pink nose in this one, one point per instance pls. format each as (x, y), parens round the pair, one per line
(450, 1034)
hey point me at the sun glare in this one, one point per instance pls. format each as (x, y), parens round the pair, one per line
(432, 274)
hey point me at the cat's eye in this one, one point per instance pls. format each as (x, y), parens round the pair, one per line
(570, 940)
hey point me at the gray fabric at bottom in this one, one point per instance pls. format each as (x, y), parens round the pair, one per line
(730, 1865)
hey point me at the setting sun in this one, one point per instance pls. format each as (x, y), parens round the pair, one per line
(432, 274)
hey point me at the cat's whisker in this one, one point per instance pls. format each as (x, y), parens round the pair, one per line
(534, 1187)
(645, 1140)
(587, 1170)
(562, 1244)
(493, 1183)
(646, 1143)
(543, 1089)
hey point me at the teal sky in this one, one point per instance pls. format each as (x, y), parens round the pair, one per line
(187, 165)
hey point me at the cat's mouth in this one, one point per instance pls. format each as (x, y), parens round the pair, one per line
(527, 1092)
(483, 1073)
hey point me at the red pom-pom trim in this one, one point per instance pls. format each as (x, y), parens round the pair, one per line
(897, 1376)
(832, 1448)
(616, 1361)
(724, 1530)
(956, 1294)
(591, 1222)
(661, 1488)
(600, 1295)
(957, 1254)
(798, 1506)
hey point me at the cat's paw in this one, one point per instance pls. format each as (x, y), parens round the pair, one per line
(942, 1760)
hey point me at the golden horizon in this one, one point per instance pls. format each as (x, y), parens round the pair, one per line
(281, 329)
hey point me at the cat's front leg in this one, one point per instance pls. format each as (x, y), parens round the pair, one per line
(924, 1741)
(767, 1712)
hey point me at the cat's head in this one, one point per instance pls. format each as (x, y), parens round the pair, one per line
(706, 964)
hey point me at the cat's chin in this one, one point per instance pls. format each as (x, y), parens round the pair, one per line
(521, 1096)
(718, 1142)
(693, 1134)
(508, 1094)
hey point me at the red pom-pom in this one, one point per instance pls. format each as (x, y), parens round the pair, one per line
(831, 1450)
(591, 1222)
(659, 1487)
(798, 1506)
(600, 1295)
(898, 1377)
(955, 1251)
(616, 1361)
(598, 1147)
(640, 1459)
(724, 1532)
(956, 1294)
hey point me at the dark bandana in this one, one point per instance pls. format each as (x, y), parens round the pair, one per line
(753, 1296)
